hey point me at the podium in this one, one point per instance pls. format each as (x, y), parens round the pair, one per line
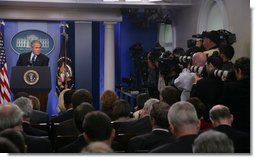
(34, 80)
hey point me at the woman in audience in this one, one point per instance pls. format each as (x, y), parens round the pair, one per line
(121, 111)
(61, 105)
(107, 99)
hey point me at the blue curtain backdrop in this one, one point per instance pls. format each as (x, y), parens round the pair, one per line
(51, 28)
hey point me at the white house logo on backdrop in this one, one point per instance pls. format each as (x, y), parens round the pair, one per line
(21, 41)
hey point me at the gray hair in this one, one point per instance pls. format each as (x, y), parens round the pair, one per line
(36, 41)
(213, 142)
(148, 104)
(25, 104)
(10, 116)
(182, 113)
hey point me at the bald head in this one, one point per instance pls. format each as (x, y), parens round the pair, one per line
(199, 59)
(219, 111)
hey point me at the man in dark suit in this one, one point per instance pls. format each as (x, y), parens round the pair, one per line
(236, 95)
(33, 58)
(11, 117)
(184, 125)
(222, 119)
(25, 104)
(158, 136)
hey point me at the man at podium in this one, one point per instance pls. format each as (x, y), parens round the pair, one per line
(33, 58)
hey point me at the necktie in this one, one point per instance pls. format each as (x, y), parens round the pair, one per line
(33, 60)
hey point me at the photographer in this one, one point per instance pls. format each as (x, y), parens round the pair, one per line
(209, 88)
(236, 95)
(186, 78)
(211, 41)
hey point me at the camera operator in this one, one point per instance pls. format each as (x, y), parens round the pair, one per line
(236, 95)
(153, 73)
(211, 42)
(186, 78)
(209, 88)
(226, 53)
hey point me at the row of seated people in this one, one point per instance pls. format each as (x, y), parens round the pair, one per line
(150, 131)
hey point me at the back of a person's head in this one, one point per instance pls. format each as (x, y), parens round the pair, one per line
(80, 112)
(6, 146)
(198, 104)
(81, 95)
(35, 102)
(148, 104)
(227, 50)
(97, 126)
(21, 94)
(170, 95)
(199, 59)
(121, 108)
(213, 142)
(216, 61)
(159, 113)
(219, 112)
(182, 114)
(25, 104)
(108, 98)
(10, 116)
(61, 106)
(68, 98)
(15, 137)
(97, 147)
(243, 64)
(141, 99)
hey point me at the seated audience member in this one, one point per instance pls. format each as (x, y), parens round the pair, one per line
(142, 125)
(159, 135)
(222, 119)
(200, 109)
(6, 146)
(213, 142)
(97, 147)
(97, 127)
(37, 116)
(11, 116)
(121, 111)
(79, 113)
(107, 99)
(74, 125)
(35, 102)
(184, 125)
(61, 105)
(236, 95)
(186, 78)
(25, 104)
(209, 89)
(140, 100)
(68, 114)
(169, 95)
(16, 138)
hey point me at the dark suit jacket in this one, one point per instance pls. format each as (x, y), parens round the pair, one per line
(137, 127)
(28, 129)
(37, 144)
(24, 60)
(63, 117)
(182, 145)
(39, 117)
(240, 139)
(209, 91)
(236, 96)
(67, 128)
(149, 141)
